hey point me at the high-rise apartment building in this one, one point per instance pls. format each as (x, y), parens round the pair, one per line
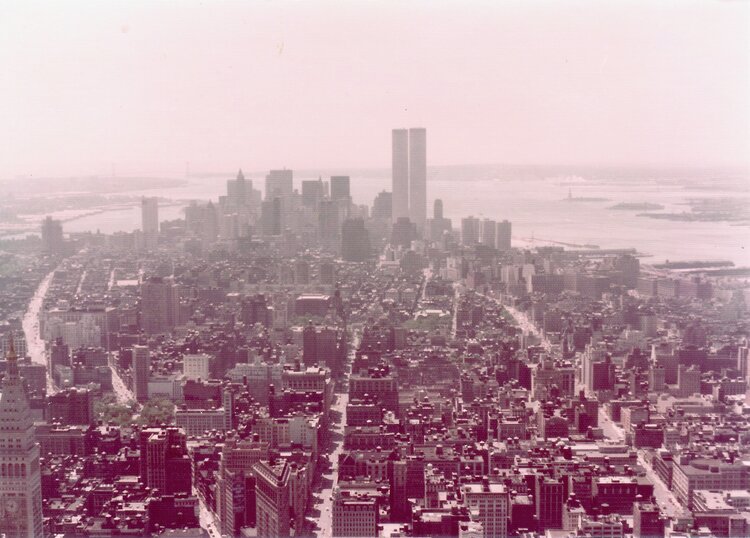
(141, 372)
(470, 231)
(400, 173)
(502, 236)
(488, 230)
(279, 183)
(20, 481)
(418, 176)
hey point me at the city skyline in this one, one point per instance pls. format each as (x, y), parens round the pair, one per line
(242, 297)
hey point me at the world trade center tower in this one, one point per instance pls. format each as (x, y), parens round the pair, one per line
(409, 175)
(418, 176)
(400, 173)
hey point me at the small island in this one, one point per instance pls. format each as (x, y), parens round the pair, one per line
(636, 206)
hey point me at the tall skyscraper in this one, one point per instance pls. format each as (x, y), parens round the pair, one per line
(141, 372)
(279, 183)
(400, 173)
(312, 192)
(20, 482)
(409, 175)
(150, 215)
(160, 305)
(382, 206)
(355, 241)
(150, 220)
(439, 224)
(340, 188)
(437, 209)
(418, 176)
(165, 465)
(469, 231)
(52, 236)
(238, 191)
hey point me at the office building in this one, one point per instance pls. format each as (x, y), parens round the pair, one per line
(439, 224)
(52, 237)
(160, 305)
(71, 406)
(313, 192)
(340, 188)
(165, 465)
(382, 206)
(272, 499)
(549, 502)
(502, 236)
(239, 191)
(647, 521)
(400, 173)
(196, 366)
(255, 309)
(355, 241)
(20, 481)
(743, 361)
(409, 175)
(403, 233)
(141, 372)
(279, 183)
(199, 421)
(235, 487)
(492, 505)
(354, 514)
(329, 221)
(418, 176)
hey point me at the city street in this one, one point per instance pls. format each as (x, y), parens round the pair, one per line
(120, 389)
(664, 498)
(611, 431)
(322, 498)
(35, 347)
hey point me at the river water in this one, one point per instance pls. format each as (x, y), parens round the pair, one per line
(534, 200)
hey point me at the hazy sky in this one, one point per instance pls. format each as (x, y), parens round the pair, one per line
(150, 85)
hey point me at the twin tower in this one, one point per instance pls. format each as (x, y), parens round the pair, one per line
(409, 172)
